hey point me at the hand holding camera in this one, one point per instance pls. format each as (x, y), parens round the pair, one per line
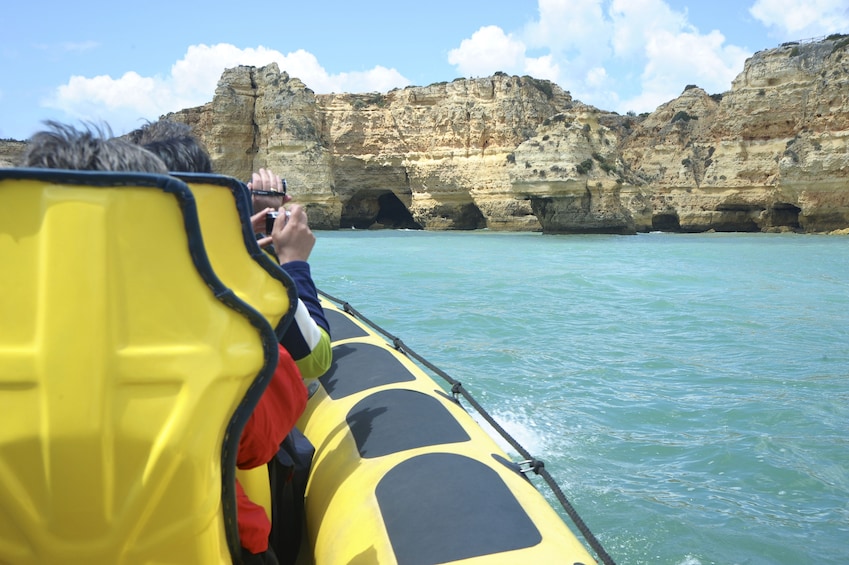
(271, 217)
(268, 191)
(266, 182)
(294, 240)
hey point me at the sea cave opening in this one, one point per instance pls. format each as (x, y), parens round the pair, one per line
(666, 221)
(377, 210)
(784, 214)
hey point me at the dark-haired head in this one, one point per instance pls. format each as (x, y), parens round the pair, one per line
(91, 148)
(175, 144)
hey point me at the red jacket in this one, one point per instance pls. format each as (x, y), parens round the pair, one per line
(276, 413)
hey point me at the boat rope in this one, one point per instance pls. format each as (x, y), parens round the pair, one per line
(530, 463)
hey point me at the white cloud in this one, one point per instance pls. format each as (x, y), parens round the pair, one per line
(130, 90)
(378, 79)
(127, 101)
(675, 60)
(575, 34)
(635, 22)
(802, 19)
(596, 77)
(614, 54)
(544, 67)
(488, 50)
(569, 24)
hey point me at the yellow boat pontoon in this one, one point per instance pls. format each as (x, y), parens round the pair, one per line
(138, 327)
(403, 474)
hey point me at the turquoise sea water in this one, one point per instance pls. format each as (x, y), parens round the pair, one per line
(690, 393)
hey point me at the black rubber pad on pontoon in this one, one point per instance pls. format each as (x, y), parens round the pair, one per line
(390, 421)
(366, 366)
(342, 326)
(441, 507)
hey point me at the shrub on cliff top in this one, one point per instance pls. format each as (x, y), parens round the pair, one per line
(543, 86)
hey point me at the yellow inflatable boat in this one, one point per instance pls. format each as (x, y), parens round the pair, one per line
(139, 326)
(403, 474)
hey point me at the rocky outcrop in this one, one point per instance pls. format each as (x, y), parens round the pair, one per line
(503, 152)
(264, 118)
(770, 154)
(516, 153)
(10, 152)
(436, 157)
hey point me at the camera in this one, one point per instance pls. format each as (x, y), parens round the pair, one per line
(269, 221)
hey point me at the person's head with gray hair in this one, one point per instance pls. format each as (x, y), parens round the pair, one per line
(62, 146)
(175, 144)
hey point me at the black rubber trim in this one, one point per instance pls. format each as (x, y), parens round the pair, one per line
(342, 326)
(441, 507)
(365, 366)
(242, 201)
(394, 420)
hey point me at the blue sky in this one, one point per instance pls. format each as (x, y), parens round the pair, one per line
(124, 63)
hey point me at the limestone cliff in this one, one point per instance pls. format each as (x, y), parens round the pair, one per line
(503, 152)
(436, 157)
(770, 154)
(516, 153)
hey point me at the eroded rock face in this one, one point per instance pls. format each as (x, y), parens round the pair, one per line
(436, 157)
(516, 153)
(498, 153)
(10, 152)
(263, 118)
(771, 154)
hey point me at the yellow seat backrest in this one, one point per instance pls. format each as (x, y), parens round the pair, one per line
(224, 209)
(127, 371)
